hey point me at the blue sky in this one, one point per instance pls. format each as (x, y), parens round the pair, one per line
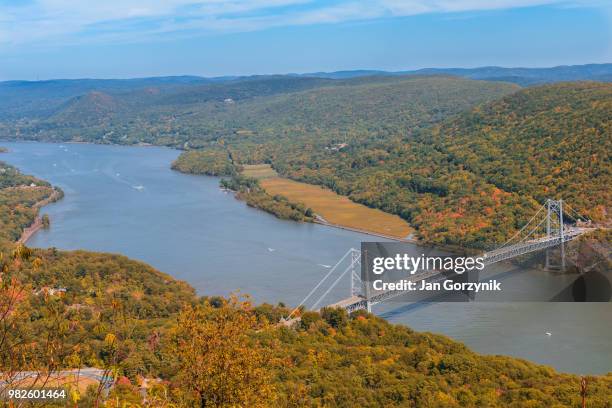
(42, 39)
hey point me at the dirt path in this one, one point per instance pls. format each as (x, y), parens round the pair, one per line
(30, 231)
(38, 223)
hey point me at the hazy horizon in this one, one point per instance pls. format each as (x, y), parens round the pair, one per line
(400, 71)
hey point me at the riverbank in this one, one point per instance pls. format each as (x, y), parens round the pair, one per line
(38, 224)
(30, 231)
(328, 207)
(321, 221)
(339, 210)
(259, 186)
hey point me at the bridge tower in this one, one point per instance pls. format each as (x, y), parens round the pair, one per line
(555, 227)
(554, 218)
(358, 288)
(356, 283)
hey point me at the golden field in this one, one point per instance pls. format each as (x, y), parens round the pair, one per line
(337, 209)
(258, 171)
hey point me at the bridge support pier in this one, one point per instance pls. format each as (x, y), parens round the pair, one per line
(549, 266)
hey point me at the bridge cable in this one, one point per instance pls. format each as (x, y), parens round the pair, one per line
(573, 214)
(332, 285)
(320, 282)
(524, 226)
(532, 231)
(580, 216)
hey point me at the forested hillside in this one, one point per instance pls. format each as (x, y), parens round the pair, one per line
(19, 194)
(465, 162)
(471, 180)
(78, 309)
(39, 99)
(476, 178)
(158, 113)
(64, 310)
(195, 115)
(552, 141)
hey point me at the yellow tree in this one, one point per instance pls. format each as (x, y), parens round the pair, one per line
(219, 363)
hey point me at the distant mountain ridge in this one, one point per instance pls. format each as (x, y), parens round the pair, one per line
(519, 76)
(529, 76)
(537, 75)
(40, 99)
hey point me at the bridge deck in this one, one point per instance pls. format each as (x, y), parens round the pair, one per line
(358, 302)
(344, 303)
(532, 245)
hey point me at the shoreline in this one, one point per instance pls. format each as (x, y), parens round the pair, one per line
(366, 232)
(37, 225)
(340, 210)
(455, 250)
(29, 232)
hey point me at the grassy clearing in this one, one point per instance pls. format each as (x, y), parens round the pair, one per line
(258, 171)
(338, 209)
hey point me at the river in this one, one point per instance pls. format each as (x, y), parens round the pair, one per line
(127, 200)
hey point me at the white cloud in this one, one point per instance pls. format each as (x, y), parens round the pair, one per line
(67, 21)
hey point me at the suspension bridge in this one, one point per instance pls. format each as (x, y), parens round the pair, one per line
(553, 224)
